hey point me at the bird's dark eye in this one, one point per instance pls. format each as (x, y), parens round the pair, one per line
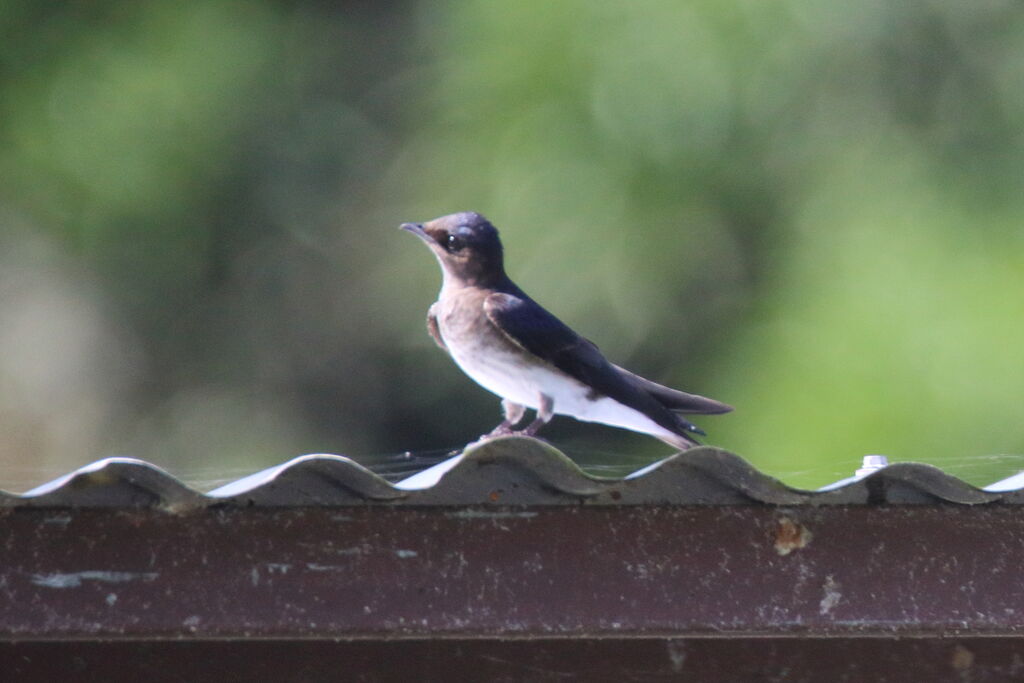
(455, 243)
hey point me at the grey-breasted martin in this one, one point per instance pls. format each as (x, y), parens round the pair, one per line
(511, 346)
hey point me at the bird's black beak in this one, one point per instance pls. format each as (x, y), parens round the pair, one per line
(416, 229)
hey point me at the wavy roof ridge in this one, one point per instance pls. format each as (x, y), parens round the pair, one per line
(505, 471)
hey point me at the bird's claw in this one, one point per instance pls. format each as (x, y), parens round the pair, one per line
(501, 430)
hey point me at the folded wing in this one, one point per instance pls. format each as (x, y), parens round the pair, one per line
(528, 325)
(678, 401)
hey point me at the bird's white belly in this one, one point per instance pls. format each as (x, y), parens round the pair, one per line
(508, 375)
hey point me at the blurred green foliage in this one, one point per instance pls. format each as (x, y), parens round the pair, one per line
(811, 210)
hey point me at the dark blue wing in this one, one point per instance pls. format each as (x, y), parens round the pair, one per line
(528, 325)
(532, 328)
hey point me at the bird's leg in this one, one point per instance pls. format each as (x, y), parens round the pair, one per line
(544, 415)
(513, 416)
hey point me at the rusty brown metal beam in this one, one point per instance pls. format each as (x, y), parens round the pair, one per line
(468, 572)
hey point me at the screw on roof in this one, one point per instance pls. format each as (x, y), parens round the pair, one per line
(870, 464)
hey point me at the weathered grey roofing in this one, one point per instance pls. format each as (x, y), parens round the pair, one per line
(504, 471)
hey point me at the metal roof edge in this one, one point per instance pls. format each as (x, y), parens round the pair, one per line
(511, 470)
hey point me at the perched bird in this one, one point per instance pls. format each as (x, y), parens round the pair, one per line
(513, 347)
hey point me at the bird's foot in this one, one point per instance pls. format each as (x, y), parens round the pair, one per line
(531, 429)
(504, 429)
(544, 413)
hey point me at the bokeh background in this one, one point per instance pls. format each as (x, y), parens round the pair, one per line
(811, 210)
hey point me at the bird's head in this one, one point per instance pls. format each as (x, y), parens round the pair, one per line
(466, 245)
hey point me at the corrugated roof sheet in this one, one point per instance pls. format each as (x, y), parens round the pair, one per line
(505, 471)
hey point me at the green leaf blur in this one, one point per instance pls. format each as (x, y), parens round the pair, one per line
(810, 210)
